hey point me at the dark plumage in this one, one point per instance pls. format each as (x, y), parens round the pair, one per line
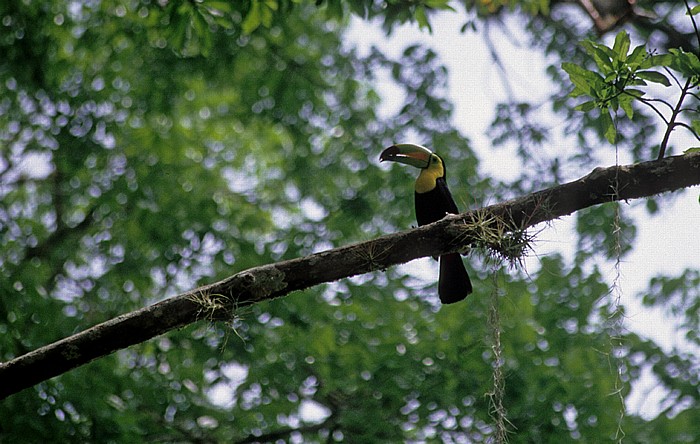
(454, 283)
(433, 201)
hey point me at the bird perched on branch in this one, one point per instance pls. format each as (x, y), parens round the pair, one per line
(433, 202)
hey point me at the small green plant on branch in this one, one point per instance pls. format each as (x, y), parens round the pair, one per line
(620, 75)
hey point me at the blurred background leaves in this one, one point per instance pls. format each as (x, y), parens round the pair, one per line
(149, 147)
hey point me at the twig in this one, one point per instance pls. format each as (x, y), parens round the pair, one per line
(672, 121)
(647, 102)
(689, 128)
(692, 20)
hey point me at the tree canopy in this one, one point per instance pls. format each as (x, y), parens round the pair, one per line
(149, 148)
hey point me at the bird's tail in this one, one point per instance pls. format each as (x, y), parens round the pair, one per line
(454, 284)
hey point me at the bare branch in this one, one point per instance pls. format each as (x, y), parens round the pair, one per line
(672, 121)
(689, 128)
(648, 102)
(692, 20)
(673, 76)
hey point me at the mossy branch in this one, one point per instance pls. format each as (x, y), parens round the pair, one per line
(219, 300)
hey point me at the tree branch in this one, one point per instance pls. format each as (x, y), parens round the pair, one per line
(220, 300)
(671, 122)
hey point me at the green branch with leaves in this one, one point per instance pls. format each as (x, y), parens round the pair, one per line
(621, 74)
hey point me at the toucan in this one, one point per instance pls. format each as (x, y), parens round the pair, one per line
(433, 202)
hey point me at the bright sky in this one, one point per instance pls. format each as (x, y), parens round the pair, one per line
(665, 244)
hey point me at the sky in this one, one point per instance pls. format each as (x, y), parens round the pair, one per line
(666, 243)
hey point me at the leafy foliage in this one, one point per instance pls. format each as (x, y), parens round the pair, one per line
(149, 147)
(612, 86)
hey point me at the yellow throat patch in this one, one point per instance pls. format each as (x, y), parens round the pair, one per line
(427, 180)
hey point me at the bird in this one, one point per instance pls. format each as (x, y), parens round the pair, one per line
(433, 201)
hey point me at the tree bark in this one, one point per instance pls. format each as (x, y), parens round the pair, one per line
(221, 299)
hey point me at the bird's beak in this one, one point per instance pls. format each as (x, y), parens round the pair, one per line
(415, 155)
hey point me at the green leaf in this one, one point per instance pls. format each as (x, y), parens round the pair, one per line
(657, 60)
(635, 82)
(608, 126)
(591, 45)
(654, 76)
(635, 93)
(601, 55)
(685, 62)
(695, 149)
(626, 105)
(586, 106)
(612, 77)
(224, 22)
(577, 76)
(586, 81)
(260, 13)
(637, 56)
(439, 4)
(652, 206)
(422, 18)
(218, 5)
(204, 34)
(253, 18)
(179, 35)
(694, 62)
(621, 45)
(269, 7)
(574, 69)
(694, 10)
(695, 124)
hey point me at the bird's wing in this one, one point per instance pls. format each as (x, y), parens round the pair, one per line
(446, 196)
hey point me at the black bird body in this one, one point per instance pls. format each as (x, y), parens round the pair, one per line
(434, 201)
(432, 205)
